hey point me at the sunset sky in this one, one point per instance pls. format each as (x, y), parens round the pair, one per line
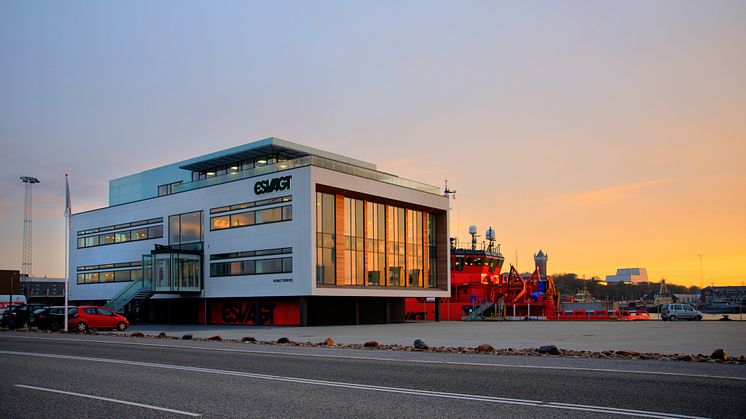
(607, 134)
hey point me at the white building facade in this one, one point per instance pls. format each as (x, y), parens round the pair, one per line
(271, 232)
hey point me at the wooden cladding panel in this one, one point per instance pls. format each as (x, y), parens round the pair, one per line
(339, 234)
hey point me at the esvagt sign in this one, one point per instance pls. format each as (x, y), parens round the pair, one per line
(273, 185)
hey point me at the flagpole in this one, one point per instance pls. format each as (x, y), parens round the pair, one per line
(67, 226)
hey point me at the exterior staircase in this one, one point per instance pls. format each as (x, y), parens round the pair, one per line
(477, 314)
(133, 294)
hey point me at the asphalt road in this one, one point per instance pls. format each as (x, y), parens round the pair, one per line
(109, 376)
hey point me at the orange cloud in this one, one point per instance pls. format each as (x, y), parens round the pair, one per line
(605, 195)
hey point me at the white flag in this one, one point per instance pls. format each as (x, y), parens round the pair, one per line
(68, 210)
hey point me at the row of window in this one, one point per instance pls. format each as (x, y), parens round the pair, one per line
(251, 253)
(123, 275)
(109, 266)
(252, 204)
(121, 226)
(252, 267)
(249, 218)
(144, 233)
(238, 166)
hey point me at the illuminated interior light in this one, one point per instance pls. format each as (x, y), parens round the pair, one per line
(261, 161)
(210, 173)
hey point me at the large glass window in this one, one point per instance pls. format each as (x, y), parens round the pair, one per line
(414, 249)
(185, 228)
(325, 239)
(432, 256)
(375, 244)
(395, 245)
(354, 237)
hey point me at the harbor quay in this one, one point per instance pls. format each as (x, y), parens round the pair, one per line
(640, 336)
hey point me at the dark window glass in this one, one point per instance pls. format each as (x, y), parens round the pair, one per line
(268, 215)
(155, 232)
(120, 276)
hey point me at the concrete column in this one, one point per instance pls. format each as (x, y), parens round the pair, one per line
(257, 311)
(303, 311)
(357, 311)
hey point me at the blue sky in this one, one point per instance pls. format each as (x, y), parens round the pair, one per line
(609, 134)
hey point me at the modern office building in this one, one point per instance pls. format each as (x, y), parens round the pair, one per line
(269, 232)
(628, 276)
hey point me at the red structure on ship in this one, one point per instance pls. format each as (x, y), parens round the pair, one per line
(479, 289)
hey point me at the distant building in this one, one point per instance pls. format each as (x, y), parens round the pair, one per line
(732, 295)
(628, 276)
(541, 262)
(43, 290)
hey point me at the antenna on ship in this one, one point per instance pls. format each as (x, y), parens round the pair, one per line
(490, 236)
(473, 232)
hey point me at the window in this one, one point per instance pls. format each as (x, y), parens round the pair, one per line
(122, 236)
(249, 218)
(252, 267)
(219, 223)
(432, 257)
(325, 239)
(395, 245)
(185, 228)
(354, 238)
(415, 249)
(375, 245)
(103, 312)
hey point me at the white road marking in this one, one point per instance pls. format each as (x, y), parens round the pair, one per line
(412, 361)
(88, 396)
(406, 391)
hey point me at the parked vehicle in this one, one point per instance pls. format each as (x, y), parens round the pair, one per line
(83, 318)
(17, 316)
(674, 312)
(49, 318)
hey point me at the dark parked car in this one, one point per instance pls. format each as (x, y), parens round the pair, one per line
(49, 318)
(17, 316)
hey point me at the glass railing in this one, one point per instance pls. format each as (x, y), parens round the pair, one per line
(309, 161)
(129, 292)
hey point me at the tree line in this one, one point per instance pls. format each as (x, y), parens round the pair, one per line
(570, 284)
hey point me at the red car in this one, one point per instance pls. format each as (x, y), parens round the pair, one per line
(83, 318)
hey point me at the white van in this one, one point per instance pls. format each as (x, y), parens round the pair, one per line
(679, 311)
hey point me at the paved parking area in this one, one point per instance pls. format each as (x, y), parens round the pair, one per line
(641, 336)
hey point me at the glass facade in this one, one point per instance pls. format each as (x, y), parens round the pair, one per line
(325, 239)
(385, 245)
